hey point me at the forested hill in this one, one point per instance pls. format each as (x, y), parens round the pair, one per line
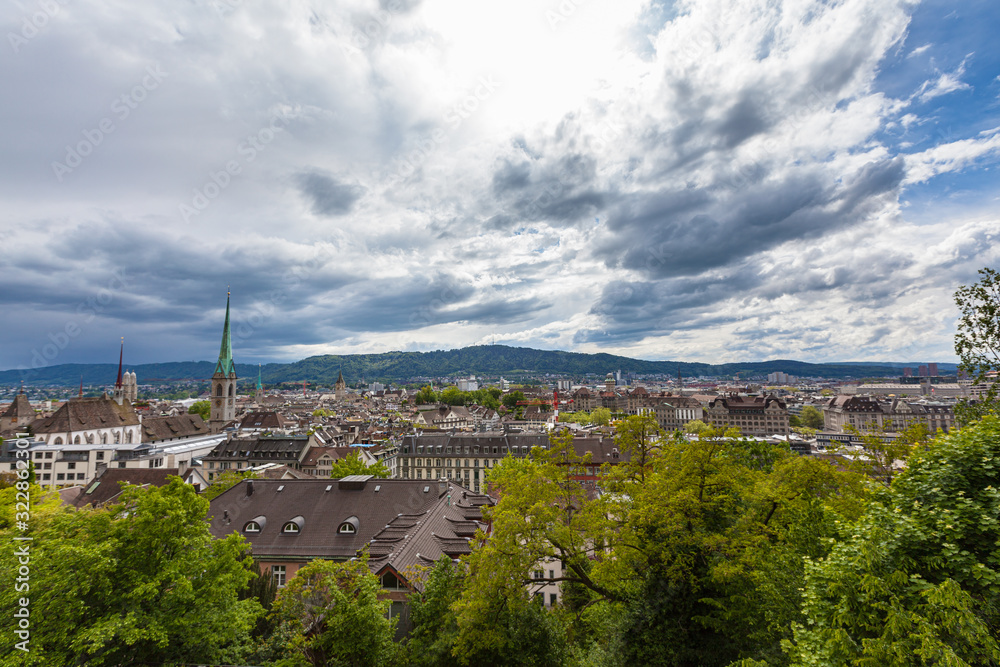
(511, 362)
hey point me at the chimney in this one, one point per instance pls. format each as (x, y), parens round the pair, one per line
(442, 486)
(249, 488)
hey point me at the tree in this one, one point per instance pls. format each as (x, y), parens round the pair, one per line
(697, 427)
(140, 582)
(977, 341)
(203, 408)
(226, 481)
(916, 579)
(435, 625)
(425, 395)
(600, 416)
(452, 396)
(811, 418)
(512, 398)
(352, 464)
(333, 615)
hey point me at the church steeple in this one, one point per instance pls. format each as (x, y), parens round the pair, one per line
(225, 364)
(119, 394)
(223, 409)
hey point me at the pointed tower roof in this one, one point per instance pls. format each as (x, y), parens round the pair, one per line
(118, 382)
(225, 364)
(260, 385)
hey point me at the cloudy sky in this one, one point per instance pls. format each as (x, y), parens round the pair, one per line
(700, 180)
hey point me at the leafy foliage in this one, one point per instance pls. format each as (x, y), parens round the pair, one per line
(139, 582)
(203, 408)
(332, 614)
(226, 481)
(352, 464)
(916, 580)
(977, 341)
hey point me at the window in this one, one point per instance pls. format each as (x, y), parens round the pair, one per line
(391, 583)
(60, 477)
(251, 527)
(552, 599)
(349, 526)
(100, 456)
(47, 476)
(278, 572)
(79, 475)
(290, 527)
(38, 455)
(48, 455)
(71, 465)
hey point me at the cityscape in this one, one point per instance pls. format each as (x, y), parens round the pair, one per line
(433, 332)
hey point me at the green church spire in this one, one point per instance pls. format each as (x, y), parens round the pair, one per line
(225, 364)
(260, 385)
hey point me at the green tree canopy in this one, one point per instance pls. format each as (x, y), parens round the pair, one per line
(333, 615)
(811, 418)
(915, 580)
(977, 340)
(512, 398)
(226, 481)
(140, 582)
(353, 464)
(425, 395)
(203, 408)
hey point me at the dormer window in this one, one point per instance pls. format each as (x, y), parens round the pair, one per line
(349, 526)
(293, 527)
(251, 527)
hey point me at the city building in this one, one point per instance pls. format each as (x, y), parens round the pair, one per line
(753, 415)
(400, 524)
(893, 415)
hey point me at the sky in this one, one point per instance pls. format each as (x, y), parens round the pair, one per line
(700, 180)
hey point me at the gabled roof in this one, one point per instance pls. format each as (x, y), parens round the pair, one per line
(178, 426)
(263, 419)
(107, 486)
(82, 414)
(401, 522)
(260, 447)
(19, 409)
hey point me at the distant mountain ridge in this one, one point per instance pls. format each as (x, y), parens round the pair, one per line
(511, 362)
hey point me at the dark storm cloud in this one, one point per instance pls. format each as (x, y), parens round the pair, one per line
(662, 235)
(329, 196)
(389, 305)
(559, 189)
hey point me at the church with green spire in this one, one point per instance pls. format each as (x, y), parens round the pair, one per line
(224, 382)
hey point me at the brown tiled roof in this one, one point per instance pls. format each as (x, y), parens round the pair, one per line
(108, 484)
(81, 414)
(178, 426)
(263, 419)
(19, 409)
(401, 522)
